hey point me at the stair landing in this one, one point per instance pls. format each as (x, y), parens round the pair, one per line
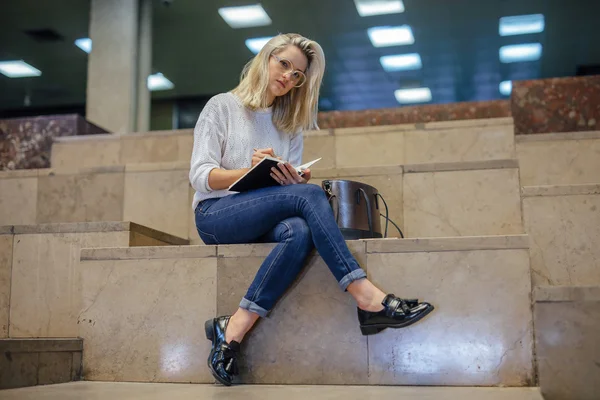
(150, 391)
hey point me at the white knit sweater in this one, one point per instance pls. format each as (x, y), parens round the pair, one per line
(225, 137)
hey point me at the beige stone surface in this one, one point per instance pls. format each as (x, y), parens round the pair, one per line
(319, 146)
(470, 123)
(362, 150)
(143, 320)
(459, 144)
(18, 200)
(138, 148)
(20, 173)
(245, 250)
(480, 332)
(310, 337)
(458, 243)
(155, 391)
(549, 137)
(6, 251)
(158, 166)
(86, 153)
(80, 197)
(461, 166)
(46, 292)
(185, 145)
(159, 200)
(148, 253)
(565, 237)
(560, 190)
(462, 203)
(566, 293)
(567, 348)
(560, 162)
(365, 130)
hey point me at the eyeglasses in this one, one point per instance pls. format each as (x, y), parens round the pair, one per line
(297, 77)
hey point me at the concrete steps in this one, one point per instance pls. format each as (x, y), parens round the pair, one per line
(31, 362)
(426, 200)
(468, 140)
(151, 391)
(567, 323)
(40, 287)
(563, 222)
(143, 311)
(559, 158)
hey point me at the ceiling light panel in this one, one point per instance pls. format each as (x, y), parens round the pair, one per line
(245, 16)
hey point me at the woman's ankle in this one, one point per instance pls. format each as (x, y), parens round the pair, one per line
(239, 324)
(368, 297)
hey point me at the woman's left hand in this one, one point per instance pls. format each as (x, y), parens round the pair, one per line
(287, 175)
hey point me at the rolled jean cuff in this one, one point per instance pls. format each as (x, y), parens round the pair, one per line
(351, 277)
(253, 307)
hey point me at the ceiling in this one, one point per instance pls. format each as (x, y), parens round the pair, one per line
(458, 42)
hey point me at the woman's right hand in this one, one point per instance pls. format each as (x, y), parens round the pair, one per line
(259, 154)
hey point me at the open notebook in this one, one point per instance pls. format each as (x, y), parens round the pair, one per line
(259, 176)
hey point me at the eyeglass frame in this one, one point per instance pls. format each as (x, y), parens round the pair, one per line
(292, 70)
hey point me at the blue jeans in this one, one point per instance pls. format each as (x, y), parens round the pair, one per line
(297, 217)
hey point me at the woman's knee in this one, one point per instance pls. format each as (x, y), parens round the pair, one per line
(296, 228)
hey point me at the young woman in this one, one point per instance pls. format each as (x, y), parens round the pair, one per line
(275, 101)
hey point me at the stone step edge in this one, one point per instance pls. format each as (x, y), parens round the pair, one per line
(109, 169)
(560, 190)
(370, 246)
(552, 294)
(427, 126)
(415, 168)
(317, 172)
(37, 345)
(93, 227)
(548, 137)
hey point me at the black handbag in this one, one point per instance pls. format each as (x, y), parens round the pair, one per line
(356, 209)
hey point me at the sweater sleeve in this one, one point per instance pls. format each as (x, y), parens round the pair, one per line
(296, 148)
(209, 136)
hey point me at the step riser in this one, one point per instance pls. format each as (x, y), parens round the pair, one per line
(559, 159)
(142, 320)
(566, 329)
(32, 362)
(564, 225)
(351, 147)
(467, 200)
(40, 281)
(158, 198)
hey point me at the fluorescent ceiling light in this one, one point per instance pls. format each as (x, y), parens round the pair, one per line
(84, 44)
(366, 8)
(505, 87)
(521, 52)
(410, 96)
(384, 36)
(159, 82)
(246, 16)
(18, 69)
(401, 62)
(521, 24)
(256, 44)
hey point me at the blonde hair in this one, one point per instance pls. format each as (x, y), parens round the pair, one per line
(298, 108)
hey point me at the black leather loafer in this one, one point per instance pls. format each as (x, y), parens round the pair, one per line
(396, 313)
(222, 360)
